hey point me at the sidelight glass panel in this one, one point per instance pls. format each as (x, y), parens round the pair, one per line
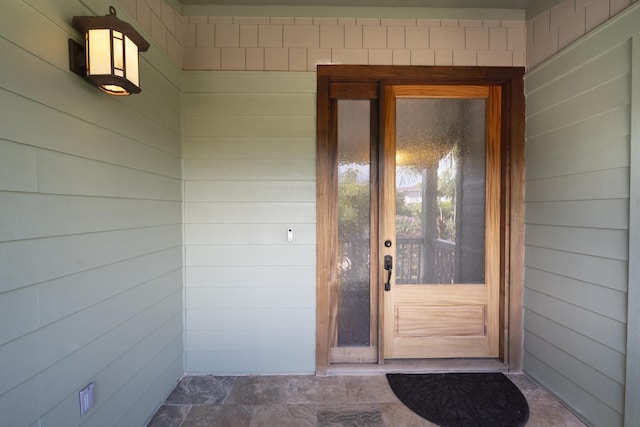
(440, 190)
(354, 209)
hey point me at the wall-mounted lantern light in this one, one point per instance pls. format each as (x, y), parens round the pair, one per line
(110, 56)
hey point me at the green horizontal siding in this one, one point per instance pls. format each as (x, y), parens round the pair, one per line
(91, 279)
(270, 276)
(247, 234)
(250, 169)
(226, 212)
(249, 175)
(255, 147)
(577, 221)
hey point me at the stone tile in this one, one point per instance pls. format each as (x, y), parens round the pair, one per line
(545, 411)
(369, 389)
(397, 414)
(259, 390)
(323, 390)
(523, 382)
(353, 415)
(295, 415)
(198, 390)
(219, 416)
(169, 416)
(325, 401)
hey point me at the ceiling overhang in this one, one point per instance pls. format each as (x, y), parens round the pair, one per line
(528, 7)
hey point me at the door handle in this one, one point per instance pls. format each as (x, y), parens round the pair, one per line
(388, 265)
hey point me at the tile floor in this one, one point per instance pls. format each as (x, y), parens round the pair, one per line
(300, 401)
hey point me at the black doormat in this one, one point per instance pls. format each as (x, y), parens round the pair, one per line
(462, 400)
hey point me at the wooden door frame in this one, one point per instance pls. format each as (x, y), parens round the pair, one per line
(511, 80)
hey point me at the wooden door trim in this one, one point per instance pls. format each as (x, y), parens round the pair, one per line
(510, 80)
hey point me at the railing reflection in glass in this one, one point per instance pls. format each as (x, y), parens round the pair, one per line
(440, 190)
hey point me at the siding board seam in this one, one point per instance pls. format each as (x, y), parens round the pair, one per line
(174, 134)
(619, 77)
(560, 374)
(572, 305)
(568, 72)
(573, 123)
(586, 364)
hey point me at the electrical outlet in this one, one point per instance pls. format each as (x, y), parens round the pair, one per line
(86, 398)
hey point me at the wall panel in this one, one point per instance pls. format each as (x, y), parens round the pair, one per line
(249, 172)
(90, 229)
(577, 216)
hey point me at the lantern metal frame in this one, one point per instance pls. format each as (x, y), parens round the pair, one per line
(111, 83)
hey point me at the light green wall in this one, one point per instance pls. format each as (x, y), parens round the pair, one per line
(632, 411)
(249, 175)
(577, 222)
(90, 229)
(91, 225)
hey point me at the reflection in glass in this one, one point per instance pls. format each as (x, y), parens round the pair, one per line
(354, 207)
(440, 190)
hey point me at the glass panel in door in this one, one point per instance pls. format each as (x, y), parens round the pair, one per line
(440, 190)
(355, 321)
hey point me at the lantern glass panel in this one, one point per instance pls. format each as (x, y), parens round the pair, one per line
(118, 54)
(98, 52)
(131, 53)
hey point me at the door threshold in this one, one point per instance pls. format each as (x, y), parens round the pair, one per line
(420, 366)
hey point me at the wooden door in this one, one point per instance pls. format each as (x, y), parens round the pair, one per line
(425, 318)
(440, 221)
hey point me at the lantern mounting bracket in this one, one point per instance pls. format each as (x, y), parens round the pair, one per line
(77, 60)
